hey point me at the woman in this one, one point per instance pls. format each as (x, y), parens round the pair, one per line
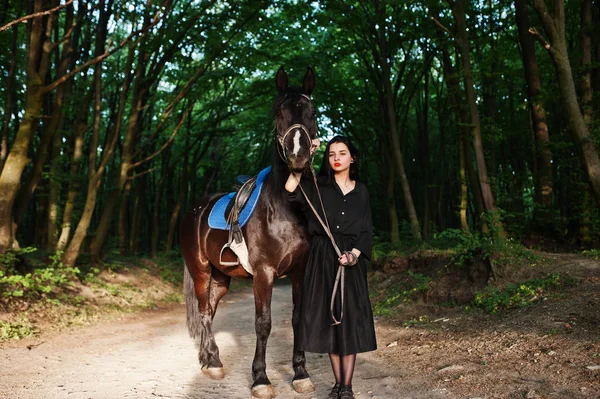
(346, 203)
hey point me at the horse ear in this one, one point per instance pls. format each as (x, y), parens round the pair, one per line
(308, 84)
(281, 79)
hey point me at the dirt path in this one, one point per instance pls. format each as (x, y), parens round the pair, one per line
(546, 351)
(150, 355)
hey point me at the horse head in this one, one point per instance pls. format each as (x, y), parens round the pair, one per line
(295, 123)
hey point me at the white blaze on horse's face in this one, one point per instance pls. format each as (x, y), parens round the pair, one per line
(297, 135)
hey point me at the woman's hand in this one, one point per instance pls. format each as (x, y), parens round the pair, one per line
(316, 143)
(292, 181)
(349, 258)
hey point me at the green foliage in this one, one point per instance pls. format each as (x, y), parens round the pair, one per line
(170, 266)
(37, 283)
(398, 294)
(493, 300)
(12, 257)
(415, 321)
(592, 253)
(16, 330)
(464, 245)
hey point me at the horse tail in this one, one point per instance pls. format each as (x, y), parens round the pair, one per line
(191, 304)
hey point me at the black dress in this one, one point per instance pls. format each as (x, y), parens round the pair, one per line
(349, 219)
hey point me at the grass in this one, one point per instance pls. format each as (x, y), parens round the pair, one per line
(494, 300)
(50, 296)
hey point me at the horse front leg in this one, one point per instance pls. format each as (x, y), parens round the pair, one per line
(301, 381)
(263, 292)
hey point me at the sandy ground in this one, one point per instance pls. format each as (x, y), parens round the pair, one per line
(150, 355)
(550, 350)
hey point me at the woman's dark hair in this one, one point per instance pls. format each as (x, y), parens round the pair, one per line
(326, 173)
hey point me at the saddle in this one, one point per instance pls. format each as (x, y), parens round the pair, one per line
(236, 240)
(232, 211)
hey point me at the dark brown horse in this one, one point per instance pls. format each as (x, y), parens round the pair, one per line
(277, 242)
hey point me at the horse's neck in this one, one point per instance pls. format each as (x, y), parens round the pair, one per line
(275, 182)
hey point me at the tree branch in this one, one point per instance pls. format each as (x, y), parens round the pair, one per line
(546, 18)
(140, 174)
(540, 39)
(108, 53)
(166, 144)
(442, 27)
(37, 14)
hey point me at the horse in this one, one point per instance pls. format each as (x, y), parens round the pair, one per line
(277, 241)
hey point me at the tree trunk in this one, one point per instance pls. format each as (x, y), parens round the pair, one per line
(423, 155)
(156, 208)
(94, 172)
(141, 88)
(585, 89)
(80, 126)
(9, 90)
(392, 125)
(72, 252)
(463, 46)
(17, 159)
(50, 129)
(554, 26)
(390, 201)
(53, 193)
(475, 189)
(135, 236)
(180, 198)
(543, 177)
(124, 247)
(464, 198)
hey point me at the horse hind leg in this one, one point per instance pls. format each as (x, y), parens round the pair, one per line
(199, 322)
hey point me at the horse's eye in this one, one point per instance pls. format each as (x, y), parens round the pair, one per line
(278, 112)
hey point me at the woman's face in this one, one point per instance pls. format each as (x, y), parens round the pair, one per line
(339, 157)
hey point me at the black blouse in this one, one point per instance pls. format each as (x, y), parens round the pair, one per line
(348, 214)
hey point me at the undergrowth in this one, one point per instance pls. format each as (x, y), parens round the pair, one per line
(385, 303)
(494, 300)
(37, 291)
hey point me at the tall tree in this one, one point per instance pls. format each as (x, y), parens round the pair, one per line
(462, 42)
(553, 23)
(38, 65)
(543, 177)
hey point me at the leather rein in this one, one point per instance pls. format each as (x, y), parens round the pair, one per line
(340, 276)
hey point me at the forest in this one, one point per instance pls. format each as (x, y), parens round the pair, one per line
(472, 118)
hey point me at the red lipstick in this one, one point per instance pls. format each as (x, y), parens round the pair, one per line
(337, 164)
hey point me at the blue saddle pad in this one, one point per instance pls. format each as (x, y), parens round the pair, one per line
(216, 219)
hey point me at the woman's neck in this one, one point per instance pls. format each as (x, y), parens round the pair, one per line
(342, 177)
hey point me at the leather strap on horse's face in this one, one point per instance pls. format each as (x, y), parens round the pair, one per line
(282, 149)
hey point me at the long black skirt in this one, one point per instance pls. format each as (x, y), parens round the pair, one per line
(356, 333)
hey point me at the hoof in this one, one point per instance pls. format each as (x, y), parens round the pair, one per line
(216, 373)
(263, 392)
(304, 385)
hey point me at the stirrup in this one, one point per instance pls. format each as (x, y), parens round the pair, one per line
(227, 245)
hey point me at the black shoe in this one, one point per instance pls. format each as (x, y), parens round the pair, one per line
(346, 392)
(335, 392)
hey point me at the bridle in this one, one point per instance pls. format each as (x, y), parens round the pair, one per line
(281, 149)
